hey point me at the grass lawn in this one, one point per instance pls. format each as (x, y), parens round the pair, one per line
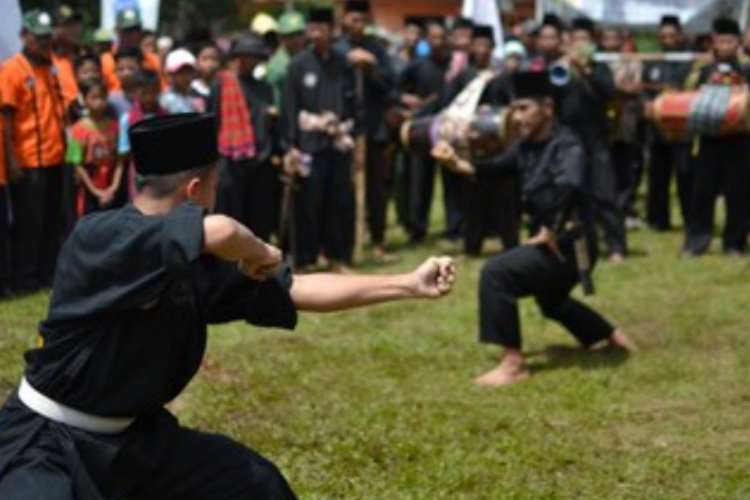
(379, 404)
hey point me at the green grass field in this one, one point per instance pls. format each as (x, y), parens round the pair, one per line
(379, 404)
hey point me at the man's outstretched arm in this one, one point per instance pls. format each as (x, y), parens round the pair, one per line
(331, 292)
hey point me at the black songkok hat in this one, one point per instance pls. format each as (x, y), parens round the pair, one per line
(362, 6)
(463, 23)
(532, 85)
(170, 144)
(583, 24)
(484, 31)
(671, 21)
(321, 15)
(414, 21)
(553, 20)
(726, 26)
(249, 44)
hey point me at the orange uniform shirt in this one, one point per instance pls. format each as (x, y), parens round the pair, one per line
(3, 166)
(67, 76)
(150, 62)
(34, 94)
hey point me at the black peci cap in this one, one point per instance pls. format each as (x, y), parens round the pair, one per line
(671, 21)
(463, 23)
(361, 6)
(484, 31)
(726, 26)
(249, 44)
(170, 144)
(532, 85)
(552, 20)
(321, 15)
(583, 24)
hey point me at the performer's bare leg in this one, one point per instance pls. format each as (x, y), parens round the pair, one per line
(512, 368)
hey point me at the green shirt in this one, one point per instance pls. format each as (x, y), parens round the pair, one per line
(276, 71)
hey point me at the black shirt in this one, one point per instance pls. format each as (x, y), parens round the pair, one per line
(133, 295)
(316, 84)
(425, 78)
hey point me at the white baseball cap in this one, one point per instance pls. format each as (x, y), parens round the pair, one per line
(178, 59)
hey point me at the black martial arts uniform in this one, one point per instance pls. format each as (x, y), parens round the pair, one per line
(666, 158)
(425, 78)
(552, 174)
(324, 200)
(722, 166)
(125, 333)
(379, 84)
(249, 190)
(583, 108)
(491, 206)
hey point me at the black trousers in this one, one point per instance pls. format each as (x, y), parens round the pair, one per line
(379, 174)
(155, 459)
(455, 200)
(38, 223)
(667, 161)
(493, 208)
(533, 271)
(721, 167)
(627, 158)
(324, 210)
(249, 192)
(421, 189)
(606, 211)
(5, 269)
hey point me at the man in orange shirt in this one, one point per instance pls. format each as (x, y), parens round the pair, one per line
(129, 35)
(34, 115)
(66, 43)
(5, 289)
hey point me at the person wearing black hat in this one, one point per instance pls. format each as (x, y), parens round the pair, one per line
(369, 57)
(488, 206)
(552, 163)
(318, 113)
(126, 331)
(721, 163)
(666, 159)
(414, 27)
(548, 43)
(583, 100)
(422, 85)
(248, 181)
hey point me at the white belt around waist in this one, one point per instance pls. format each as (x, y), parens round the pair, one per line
(62, 414)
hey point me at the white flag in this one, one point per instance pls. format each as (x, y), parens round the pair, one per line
(10, 30)
(486, 12)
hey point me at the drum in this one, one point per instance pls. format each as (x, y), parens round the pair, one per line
(487, 133)
(714, 110)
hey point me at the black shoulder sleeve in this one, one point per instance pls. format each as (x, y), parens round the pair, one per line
(182, 239)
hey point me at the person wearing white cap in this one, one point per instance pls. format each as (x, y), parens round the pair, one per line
(180, 67)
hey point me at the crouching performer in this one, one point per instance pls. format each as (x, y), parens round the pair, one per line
(126, 331)
(552, 165)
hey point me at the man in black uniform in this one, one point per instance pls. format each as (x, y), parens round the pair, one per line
(722, 164)
(318, 102)
(126, 331)
(666, 158)
(422, 84)
(491, 205)
(552, 165)
(369, 58)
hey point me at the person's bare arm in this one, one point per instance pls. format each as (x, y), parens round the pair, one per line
(229, 240)
(328, 293)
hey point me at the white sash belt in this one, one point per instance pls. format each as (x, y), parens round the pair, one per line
(62, 414)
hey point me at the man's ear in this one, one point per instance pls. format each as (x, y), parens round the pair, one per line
(192, 188)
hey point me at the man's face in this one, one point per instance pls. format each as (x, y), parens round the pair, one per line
(549, 42)
(611, 40)
(726, 46)
(319, 35)
(354, 23)
(208, 63)
(436, 37)
(295, 42)
(88, 71)
(580, 38)
(531, 116)
(69, 33)
(39, 46)
(512, 63)
(245, 64)
(481, 50)
(461, 39)
(670, 37)
(130, 37)
(412, 34)
(125, 69)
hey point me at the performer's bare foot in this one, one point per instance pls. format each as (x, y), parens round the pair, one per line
(381, 255)
(616, 258)
(511, 369)
(340, 268)
(622, 341)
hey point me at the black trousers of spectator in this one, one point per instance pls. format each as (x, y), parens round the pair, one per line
(721, 167)
(628, 163)
(493, 208)
(37, 230)
(324, 210)
(606, 212)
(249, 192)
(5, 274)
(534, 271)
(421, 189)
(455, 199)
(379, 173)
(667, 161)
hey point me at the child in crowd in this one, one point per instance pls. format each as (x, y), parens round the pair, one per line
(92, 148)
(180, 68)
(207, 66)
(128, 62)
(87, 69)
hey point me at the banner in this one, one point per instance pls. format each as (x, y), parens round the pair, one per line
(696, 15)
(486, 12)
(149, 10)
(10, 29)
